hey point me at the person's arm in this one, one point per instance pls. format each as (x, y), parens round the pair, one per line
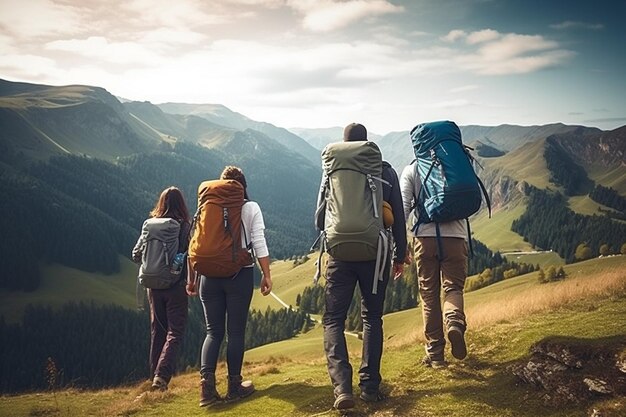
(407, 187)
(257, 236)
(321, 204)
(399, 225)
(137, 252)
(183, 238)
(192, 279)
(266, 280)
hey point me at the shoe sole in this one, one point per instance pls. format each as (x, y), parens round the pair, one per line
(344, 403)
(208, 402)
(459, 349)
(372, 399)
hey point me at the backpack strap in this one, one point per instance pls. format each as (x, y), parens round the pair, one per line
(381, 260)
(422, 192)
(469, 237)
(440, 253)
(373, 188)
(484, 190)
(318, 264)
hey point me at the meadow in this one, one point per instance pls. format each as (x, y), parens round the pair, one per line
(505, 320)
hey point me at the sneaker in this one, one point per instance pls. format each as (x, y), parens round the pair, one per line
(344, 401)
(435, 364)
(372, 397)
(457, 340)
(238, 389)
(158, 384)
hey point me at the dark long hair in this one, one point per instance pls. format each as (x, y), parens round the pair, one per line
(171, 204)
(235, 173)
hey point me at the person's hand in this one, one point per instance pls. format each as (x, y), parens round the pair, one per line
(266, 285)
(408, 258)
(398, 269)
(191, 288)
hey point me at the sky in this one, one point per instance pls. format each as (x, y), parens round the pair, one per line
(388, 64)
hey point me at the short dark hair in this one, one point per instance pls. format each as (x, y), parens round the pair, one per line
(354, 132)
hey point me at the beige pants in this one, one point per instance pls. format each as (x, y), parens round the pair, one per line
(433, 274)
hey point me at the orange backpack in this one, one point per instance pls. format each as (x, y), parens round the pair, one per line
(215, 246)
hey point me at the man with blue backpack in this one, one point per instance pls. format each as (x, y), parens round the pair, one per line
(440, 190)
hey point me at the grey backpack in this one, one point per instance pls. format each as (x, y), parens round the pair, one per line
(350, 213)
(159, 240)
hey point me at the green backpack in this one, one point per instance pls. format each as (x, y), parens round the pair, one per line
(350, 210)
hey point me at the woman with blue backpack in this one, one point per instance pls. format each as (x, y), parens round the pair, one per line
(161, 250)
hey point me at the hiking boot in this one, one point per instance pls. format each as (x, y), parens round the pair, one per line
(238, 389)
(457, 340)
(433, 363)
(208, 393)
(344, 401)
(372, 397)
(158, 384)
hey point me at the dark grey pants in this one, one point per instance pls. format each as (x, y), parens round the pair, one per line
(168, 317)
(225, 302)
(341, 280)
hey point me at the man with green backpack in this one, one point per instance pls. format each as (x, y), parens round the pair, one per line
(360, 216)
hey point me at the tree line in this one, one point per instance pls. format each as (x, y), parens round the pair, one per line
(564, 171)
(498, 273)
(609, 197)
(549, 224)
(95, 346)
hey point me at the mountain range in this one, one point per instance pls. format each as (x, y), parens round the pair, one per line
(103, 159)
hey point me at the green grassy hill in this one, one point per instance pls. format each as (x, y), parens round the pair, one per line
(61, 284)
(505, 320)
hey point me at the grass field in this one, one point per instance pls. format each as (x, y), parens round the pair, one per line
(505, 320)
(544, 259)
(61, 284)
(496, 233)
(525, 163)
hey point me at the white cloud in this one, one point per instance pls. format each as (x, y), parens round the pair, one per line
(167, 36)
(27, 66)
(454, 35)
(450, 104)
(329, 15)
(569, 24)
(489, 52)
(481, 36)
(171, 14)
(98, 47)
(464, 88)
(513, 45)
(35, 18)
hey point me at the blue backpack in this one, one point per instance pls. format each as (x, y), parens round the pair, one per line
(450, 190)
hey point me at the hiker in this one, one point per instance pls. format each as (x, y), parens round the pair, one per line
(166, 288)
(226, 299)
(441, 231)
(361, 262)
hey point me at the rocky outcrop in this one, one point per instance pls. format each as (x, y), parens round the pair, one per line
(573, 371)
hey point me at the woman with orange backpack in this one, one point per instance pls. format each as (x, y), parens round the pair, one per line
(228, 228)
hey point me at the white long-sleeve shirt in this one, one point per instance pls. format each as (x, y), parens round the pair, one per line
(410, 186)
(254, 229)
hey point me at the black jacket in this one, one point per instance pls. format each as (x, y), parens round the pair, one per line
(393, 196)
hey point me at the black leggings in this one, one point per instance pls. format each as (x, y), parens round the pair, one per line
(225, 302)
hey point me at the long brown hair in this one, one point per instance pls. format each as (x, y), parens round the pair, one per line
(235, 173)
(171, 204)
